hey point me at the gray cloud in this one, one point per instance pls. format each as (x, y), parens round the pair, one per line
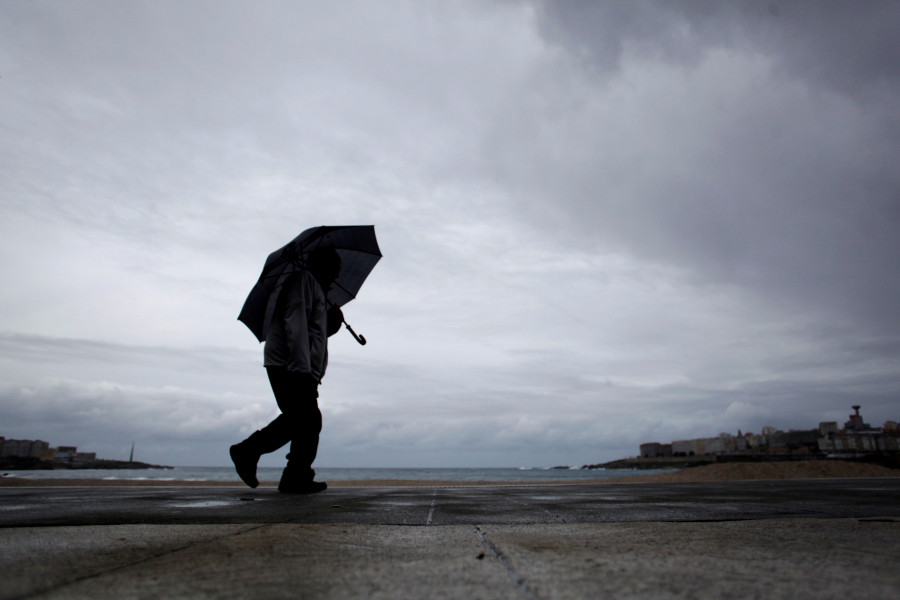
(722, 138)
(837, 44)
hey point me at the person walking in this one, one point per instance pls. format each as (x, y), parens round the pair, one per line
(296, 356)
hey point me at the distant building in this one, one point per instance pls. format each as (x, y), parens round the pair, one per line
(685, 448)
(41, 450)
(23, 448)
(655, 450)
(791, 441)
(848, 443)
(722, 444)
(857, 437)
(856, 422)
(65, 452)
(827, 427)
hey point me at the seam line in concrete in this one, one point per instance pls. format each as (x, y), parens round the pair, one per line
(431, 512)
(501, 558)
(549, 512)
(135, 563)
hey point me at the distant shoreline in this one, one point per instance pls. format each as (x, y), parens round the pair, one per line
(35, 464)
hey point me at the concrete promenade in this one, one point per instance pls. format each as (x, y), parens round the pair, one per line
(796, 539)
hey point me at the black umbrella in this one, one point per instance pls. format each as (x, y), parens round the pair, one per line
(358, 249)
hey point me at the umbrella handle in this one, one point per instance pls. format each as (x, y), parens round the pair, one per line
(358, 338)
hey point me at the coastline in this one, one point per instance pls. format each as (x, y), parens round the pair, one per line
(34, 464)
(713, 472)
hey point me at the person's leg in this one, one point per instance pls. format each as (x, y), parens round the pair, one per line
(245, 455)
(297, 397)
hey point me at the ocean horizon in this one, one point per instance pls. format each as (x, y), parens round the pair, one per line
(495, 474)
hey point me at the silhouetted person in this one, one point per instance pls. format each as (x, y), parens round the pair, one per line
(296, 355)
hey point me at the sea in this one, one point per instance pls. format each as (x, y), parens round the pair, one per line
(498, 475)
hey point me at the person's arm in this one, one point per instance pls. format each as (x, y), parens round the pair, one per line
(317, 321)
(335, 319)
(296, 325)
(305, 324)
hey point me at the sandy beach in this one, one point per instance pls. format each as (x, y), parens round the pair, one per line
(716, 472)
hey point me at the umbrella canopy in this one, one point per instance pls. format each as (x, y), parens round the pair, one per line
(359, 252)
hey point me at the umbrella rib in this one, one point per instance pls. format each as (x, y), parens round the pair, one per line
(356, 250)
(349, 293)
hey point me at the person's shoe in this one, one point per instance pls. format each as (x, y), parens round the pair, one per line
(245, 464)
(307, 487)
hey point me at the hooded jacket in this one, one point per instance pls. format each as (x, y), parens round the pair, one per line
(297, 338)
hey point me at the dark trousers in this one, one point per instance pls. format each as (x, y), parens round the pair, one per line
(299, 423)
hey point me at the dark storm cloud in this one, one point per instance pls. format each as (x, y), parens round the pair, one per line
(762, 152)
(847, 45)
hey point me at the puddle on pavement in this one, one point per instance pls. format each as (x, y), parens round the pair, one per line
(204, 504)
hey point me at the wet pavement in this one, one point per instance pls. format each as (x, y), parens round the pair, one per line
(472, 505)
(762, 539)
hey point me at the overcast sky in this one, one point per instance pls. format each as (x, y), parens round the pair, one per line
(603, 223)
